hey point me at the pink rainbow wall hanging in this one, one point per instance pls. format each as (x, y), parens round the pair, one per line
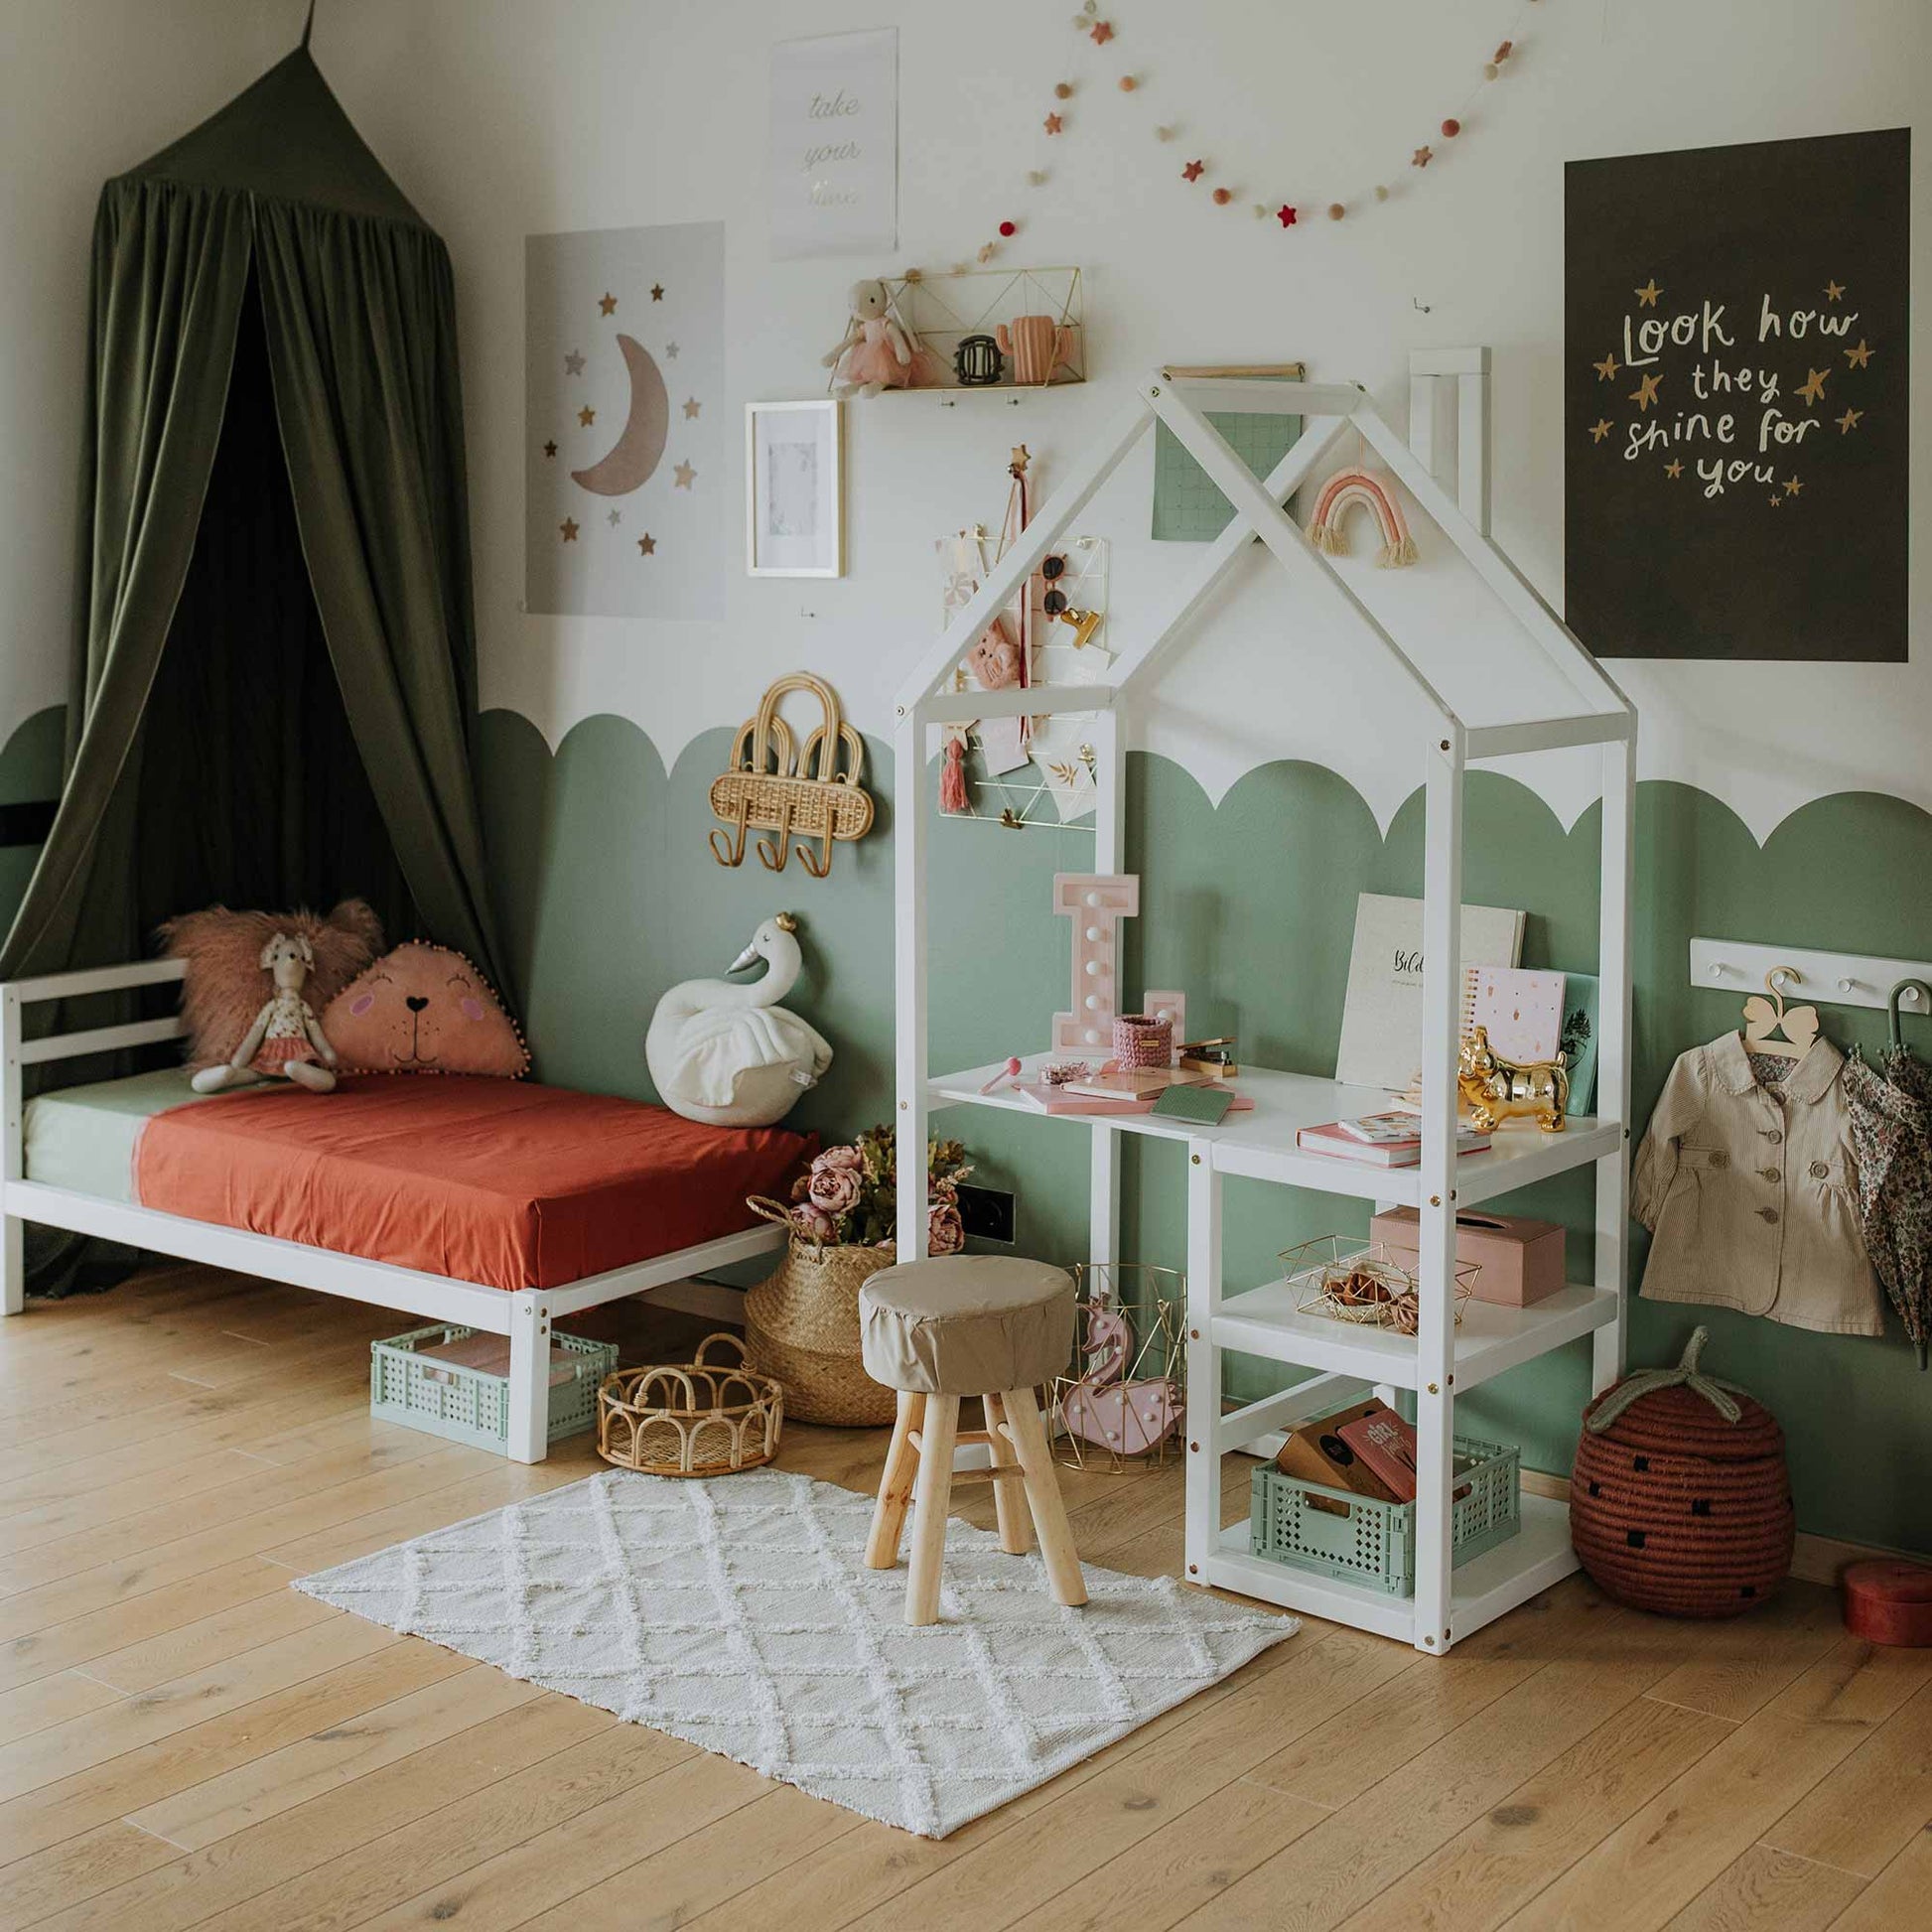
(1340, 495)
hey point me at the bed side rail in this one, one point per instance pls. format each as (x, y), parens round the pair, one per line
(17, 994)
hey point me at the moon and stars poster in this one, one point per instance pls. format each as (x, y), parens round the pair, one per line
(624, 466)
(1736, 400)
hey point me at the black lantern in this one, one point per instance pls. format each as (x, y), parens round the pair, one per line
(976, 361)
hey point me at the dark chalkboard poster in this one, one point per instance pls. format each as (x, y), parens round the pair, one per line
(1734, 400)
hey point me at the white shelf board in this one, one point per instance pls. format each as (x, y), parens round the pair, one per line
(1260, 1144)
(1489, 1338)
(1483, 1589)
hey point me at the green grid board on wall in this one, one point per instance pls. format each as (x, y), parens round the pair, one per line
(1188, 505)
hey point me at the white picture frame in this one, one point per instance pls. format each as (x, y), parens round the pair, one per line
(795, 489)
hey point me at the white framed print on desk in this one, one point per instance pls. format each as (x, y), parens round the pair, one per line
(795, 489)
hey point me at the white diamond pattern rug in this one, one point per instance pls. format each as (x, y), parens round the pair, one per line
(735, 1614)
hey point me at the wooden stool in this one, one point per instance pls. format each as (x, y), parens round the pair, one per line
(968, 1325)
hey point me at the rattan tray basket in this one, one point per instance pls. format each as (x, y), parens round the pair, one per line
(701, 1419)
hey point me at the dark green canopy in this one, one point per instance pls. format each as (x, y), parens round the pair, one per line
(274, 672)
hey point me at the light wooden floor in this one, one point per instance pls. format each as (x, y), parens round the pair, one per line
(186, 1741)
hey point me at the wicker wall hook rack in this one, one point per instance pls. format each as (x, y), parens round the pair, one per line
(771, 787)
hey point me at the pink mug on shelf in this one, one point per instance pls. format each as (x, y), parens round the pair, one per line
(1037, 345)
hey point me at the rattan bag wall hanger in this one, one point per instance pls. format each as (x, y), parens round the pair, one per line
(770, 786)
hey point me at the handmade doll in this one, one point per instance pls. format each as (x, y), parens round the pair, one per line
(877, 352)
(286, 1040)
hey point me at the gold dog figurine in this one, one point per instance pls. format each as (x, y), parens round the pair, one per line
(1495, 1089)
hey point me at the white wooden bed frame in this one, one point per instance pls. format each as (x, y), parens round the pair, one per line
(524, 1316)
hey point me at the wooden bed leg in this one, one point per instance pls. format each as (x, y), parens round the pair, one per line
(13, 1263)
(529, 1429)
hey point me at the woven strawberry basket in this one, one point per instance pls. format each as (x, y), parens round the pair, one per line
(1679, 1500)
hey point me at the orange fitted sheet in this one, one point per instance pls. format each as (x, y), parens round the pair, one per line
(500, 1182)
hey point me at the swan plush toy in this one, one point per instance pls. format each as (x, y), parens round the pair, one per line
(729, 1055)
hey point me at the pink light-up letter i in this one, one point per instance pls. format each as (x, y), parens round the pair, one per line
(1097, 902)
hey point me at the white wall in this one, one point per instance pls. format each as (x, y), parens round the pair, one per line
(87, 89)
(506, 117)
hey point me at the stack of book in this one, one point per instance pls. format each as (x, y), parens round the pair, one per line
(1391, 1140)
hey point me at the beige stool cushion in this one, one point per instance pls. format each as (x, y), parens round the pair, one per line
(967, 1324)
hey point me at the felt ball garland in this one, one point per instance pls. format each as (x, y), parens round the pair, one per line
(1101, 33)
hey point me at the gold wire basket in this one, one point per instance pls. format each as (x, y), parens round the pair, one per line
(704, 1419)
(1121, 1406)
(1361, 1282)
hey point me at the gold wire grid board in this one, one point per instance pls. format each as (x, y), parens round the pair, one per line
(942, 309)
(1054, 784)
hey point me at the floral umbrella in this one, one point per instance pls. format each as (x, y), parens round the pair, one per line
(1892, 1136)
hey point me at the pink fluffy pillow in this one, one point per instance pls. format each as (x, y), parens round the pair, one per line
(423, 1008)
(227, 986)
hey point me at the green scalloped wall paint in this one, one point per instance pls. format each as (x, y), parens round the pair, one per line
(608, 894)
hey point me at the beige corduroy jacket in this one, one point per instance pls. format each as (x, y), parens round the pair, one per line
(1751, 1192)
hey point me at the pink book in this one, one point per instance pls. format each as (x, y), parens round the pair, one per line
(1062, 1100)
(1387, 1444)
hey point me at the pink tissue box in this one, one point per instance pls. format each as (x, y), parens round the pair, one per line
(1518, 1261)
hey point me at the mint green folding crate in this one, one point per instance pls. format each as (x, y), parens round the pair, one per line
(1374, 1543)
(472, 1405)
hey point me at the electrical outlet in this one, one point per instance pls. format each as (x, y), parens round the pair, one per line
(986, 1212)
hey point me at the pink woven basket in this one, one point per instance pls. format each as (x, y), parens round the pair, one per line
(1142, 1040)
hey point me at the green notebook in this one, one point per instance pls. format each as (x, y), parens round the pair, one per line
(1207, 1106)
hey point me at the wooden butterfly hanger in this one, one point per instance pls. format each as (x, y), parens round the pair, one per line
(1762, 1019)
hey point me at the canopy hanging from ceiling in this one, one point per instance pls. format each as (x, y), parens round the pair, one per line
(269, 239)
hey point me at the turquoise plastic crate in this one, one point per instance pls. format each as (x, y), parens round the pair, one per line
(473, 1404)
(1374, 1543)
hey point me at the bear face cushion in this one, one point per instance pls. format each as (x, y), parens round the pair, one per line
(423, 1008)
(227, 986)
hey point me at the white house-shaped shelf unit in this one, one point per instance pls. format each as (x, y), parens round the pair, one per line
(1444, 1359)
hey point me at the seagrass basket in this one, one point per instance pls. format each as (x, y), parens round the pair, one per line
(801, 1325)
(701, 1419)
(1679, 1498)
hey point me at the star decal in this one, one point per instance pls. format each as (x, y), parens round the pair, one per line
(648, 545)
(691, 407)
(1792, 485)
(586, 416)
(1193, 171)
(1284, 215)
(569, 528)
(574, 363)
(1103, 32)
(1859, 357)
(614, 518)
(1645, 394)
(1606, 370)
(1673, 468)
(1421, 158)
(1833, 290)
(670, 349)
(1776, 500)
(1599, 430)
(1849, 421)
(1053, 124)
(683, 473)
(607, 304)
(1648, 294)
(550, 449)
(658, 291)
(1814, 385)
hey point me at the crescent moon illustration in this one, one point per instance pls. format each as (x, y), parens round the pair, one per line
(636, 454)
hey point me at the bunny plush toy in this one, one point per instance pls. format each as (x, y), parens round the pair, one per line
(877, 352)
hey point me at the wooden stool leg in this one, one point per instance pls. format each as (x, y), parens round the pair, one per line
(1015, 1526)
(1044, 1494)
(932, 1496)
(896, 1485)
